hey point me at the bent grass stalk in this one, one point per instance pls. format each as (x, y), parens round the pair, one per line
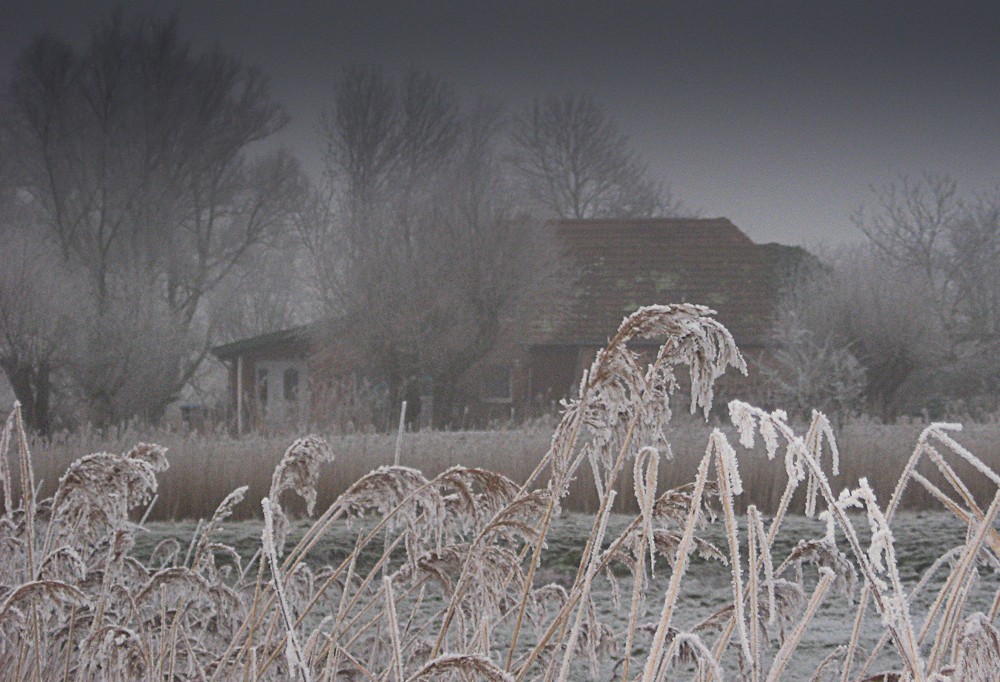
(219, 621)
(785, 652)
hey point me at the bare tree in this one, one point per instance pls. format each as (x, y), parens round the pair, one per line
(39, 312)
(908, 223)
(267, 292)
(421, 252)
(972, 260)
(950, 241)
(865, 307)
(384, 139)
(577, 163)
(132, 157)
(811, 366)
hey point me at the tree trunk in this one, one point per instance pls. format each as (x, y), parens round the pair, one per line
(397, 370)
(444, 403)
(32, 386)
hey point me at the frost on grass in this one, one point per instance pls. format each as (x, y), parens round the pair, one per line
(98, 491)
(442, 581)
(297, 471)
(625, 403)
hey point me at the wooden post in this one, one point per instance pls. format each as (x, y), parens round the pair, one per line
(399, 433)
(239, 396)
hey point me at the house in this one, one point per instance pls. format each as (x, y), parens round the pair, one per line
(618, 266)
(268, 377)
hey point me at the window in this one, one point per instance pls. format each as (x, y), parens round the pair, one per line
(290, 384)
(497, 384)
(262, 387)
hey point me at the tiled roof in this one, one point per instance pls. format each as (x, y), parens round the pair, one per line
(618, 266)
(621, 265)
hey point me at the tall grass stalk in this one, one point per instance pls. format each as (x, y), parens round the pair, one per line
(453, 591)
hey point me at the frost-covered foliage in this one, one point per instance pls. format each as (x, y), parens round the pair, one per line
(443, 582)
(809, 369)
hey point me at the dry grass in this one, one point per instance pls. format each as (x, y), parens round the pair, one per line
(205, 468)
(452, 592)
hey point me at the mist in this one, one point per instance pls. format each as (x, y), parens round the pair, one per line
(176, 179)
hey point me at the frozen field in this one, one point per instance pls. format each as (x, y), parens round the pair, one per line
(920, 538)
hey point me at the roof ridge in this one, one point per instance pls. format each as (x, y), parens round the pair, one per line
(664, 220)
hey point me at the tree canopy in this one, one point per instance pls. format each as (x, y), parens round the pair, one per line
(130, 159)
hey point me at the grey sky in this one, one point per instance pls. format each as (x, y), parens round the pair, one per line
(776, 115)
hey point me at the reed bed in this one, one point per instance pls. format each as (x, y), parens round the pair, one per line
(205, 468)
(450, 586)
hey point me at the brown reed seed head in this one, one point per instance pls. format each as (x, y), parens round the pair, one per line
(441, 569)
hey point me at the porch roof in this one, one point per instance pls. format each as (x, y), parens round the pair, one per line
(277, 339)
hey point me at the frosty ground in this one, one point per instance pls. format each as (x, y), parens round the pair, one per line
(921, 537)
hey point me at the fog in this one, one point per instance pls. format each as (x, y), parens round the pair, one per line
(778, 117)
(173, 182)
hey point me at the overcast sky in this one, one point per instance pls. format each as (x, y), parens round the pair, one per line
(778, 116)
